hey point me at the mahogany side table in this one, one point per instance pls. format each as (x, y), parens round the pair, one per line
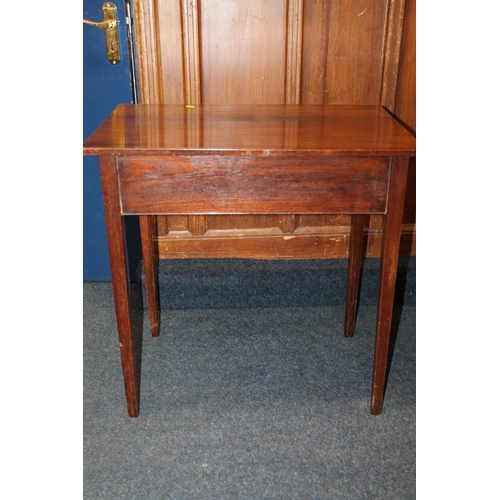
(253, 159)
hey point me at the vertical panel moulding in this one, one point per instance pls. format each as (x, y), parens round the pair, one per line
(148, 46)
(191, 49)
(147, 32)
(392, 51)
(197, 224)
(172, 77)
(160, 225)
(295, 20)
(293, 83)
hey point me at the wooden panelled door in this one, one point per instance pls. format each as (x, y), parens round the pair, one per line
(276, 52)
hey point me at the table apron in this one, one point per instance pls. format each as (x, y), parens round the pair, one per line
(225, 184)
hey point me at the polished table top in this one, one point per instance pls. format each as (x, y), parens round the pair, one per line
(325, 130)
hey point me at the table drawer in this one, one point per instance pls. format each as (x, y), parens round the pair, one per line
(259, 185)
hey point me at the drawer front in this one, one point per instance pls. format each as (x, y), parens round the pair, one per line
(254, 185)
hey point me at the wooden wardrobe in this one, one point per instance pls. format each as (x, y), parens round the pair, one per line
(277, 52)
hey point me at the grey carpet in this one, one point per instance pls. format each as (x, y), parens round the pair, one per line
(251, 391)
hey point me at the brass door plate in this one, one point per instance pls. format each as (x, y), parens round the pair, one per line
(110, 27)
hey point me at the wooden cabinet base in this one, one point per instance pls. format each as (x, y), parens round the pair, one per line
(272, 243)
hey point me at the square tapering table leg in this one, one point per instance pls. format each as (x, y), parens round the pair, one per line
(353, 273)
(146, 224)
(117, 255)
(388, 270)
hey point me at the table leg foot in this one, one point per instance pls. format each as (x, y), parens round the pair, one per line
(131, 385)
(377, 400)
(133, 410)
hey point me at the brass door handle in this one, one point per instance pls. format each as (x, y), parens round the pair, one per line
(110, 26)
(103, 24)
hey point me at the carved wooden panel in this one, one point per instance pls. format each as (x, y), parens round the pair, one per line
(280, 52)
